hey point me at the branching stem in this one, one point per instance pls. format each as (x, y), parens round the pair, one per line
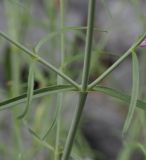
(83, 94)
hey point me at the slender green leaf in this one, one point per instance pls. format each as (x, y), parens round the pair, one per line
(134, 92)
(10, 103)
(37, 93)
(82, 28)
(30, 87)
(119, 95)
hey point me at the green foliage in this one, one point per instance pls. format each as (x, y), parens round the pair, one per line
(50, 136)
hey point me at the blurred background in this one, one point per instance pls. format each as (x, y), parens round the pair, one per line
(119, 23)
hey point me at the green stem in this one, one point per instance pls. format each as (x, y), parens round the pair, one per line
(13, 21)
(88, 47)
(14, 25)
(57, 142)
(39, 59)
(62, 33)
(74, 127)
(13, 102)
(83, 94)
(60, 81)
(120, 60)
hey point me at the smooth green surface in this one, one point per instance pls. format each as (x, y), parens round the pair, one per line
(44, 119)
(84, 85)
(37, 94)
(134, 92)
(30, 88)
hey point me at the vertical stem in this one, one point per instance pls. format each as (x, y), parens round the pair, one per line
(60, 81)
(74, 126)
(62, 3)
(57, 143)
(51, 13)
(83, 94)
(12, 12)
(88, 47)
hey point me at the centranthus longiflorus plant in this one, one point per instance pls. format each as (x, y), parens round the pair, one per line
(34, 107)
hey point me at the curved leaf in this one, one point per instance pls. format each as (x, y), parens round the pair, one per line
(36, 94)
(134, 92)
(30, 87)
(119, 95)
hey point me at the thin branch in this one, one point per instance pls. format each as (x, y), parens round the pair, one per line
(83, 94)
(39, 59)
(120, 60)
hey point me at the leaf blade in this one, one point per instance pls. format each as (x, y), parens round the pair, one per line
(119, 95)
(29, 90)
(134, 92)
(37, 93)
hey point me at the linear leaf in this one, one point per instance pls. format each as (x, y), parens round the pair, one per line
(37, 93)
(64, 88)
(30, 87)
(81, 28)
(119, 95)
(134, 92)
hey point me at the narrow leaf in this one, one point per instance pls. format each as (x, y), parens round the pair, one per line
(119, 95)
(36, 94)
(81, 28)
(134, 92)
(30, 87)
(10, 103)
